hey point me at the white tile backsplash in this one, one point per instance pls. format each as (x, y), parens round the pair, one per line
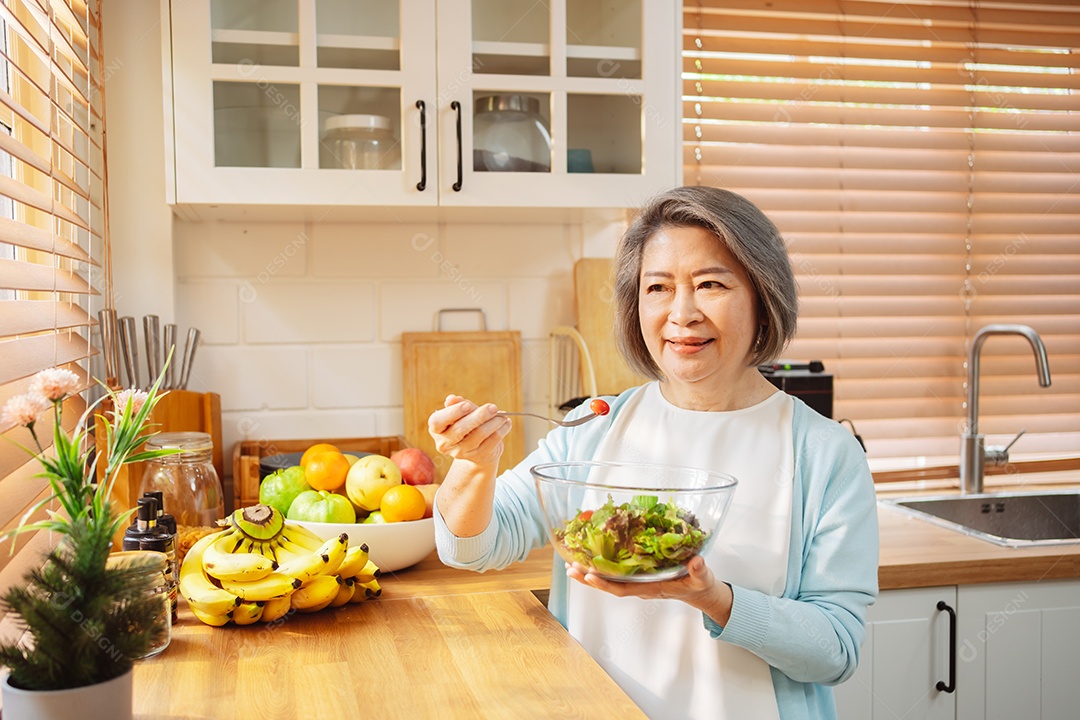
(255, 252)
(283, 311)
(390, 421)
(264, 426)
(356, 376)
(302, 322)
(374, 251)
(537, 305)
(414, 306)
(212, 307)
(535, 374)
(270, 377)
(496, 251)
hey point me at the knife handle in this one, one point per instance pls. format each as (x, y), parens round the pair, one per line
(167, 350)
(189, 356)
(125, 356)
(129, 335)
(151, 328)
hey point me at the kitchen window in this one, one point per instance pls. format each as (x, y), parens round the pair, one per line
(921, 159)
(53, 247)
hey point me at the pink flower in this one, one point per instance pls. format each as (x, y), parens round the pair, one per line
(55, 384)
(137, 397)
(23, 409)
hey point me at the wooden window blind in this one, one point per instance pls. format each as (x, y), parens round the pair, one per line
(53, 253)
(923, 162)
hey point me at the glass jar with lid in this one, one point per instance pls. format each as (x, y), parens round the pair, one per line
(187, 480)
(153, 569)
(509, 135)
(361, 142)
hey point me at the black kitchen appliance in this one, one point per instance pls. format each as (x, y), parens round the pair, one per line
(807, 381)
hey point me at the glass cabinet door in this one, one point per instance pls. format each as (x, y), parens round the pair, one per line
(604, 130)
(255, 124)
(359, 126)
(322, 101)
(258, 122)
(557, 95)
(599, 39)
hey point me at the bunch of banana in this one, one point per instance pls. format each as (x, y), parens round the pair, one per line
(261, 567)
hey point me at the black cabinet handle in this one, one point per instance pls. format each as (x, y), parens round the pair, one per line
(423, 146)
(457, 106)
(942, 605)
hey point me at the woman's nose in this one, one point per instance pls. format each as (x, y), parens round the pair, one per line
(684, 307)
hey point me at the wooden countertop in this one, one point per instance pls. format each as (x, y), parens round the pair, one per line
(430, 577)
(478, 645)
(494, 654)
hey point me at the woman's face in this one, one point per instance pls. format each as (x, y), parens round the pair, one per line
(698, 315)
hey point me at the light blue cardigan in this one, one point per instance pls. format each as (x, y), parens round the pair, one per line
(811, 636)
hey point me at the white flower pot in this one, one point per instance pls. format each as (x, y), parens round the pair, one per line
(110, 700)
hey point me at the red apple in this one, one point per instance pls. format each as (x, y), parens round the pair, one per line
(428, 492)
(415, 465)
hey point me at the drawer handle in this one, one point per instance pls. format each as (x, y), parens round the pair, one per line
(457, 106)
(942, 605)
(423, 146)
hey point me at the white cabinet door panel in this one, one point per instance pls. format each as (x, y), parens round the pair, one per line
(1018, 651)
(1061, 663)
(906, 653)
(1012, 663)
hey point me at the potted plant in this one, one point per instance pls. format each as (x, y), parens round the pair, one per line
(85, 621)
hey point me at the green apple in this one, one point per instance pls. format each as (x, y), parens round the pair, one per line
(280, 488)
(369, 478)
(375, 518)
(321, 506)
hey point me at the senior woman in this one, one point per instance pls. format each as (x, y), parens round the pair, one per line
(774, 613)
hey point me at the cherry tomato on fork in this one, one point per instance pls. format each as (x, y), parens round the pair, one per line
(599, 407)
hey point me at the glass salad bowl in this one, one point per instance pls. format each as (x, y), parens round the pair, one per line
(632, 522)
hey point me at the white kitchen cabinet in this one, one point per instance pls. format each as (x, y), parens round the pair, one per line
(905, 655)
(1018, 651)
(251, 85)
(1017, 647)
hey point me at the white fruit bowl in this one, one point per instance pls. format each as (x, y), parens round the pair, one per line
(391, 546)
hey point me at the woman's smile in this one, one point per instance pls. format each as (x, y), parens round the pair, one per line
(688, 345)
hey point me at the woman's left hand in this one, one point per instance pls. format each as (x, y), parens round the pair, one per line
(699, 588)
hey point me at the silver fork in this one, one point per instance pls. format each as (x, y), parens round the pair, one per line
(564, 423)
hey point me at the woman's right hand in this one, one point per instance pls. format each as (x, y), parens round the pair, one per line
(473, 436)
(468, 432)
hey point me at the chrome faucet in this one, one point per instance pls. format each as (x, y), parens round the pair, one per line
(973, 451)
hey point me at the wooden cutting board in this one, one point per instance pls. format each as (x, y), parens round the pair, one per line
(483, 366)
(594, 283)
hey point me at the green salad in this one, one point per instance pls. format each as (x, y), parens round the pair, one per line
(639, 537)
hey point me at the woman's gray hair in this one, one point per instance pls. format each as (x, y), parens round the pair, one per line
(750, 236)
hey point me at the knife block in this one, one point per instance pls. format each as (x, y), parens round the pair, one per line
(176, 411)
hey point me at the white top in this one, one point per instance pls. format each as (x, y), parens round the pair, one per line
(709, 678)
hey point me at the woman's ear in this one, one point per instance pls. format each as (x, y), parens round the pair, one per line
(762, 337)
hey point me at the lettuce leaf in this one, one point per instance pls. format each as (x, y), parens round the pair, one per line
(641, 536)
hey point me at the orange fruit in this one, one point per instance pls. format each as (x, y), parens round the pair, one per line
(402, 503)
(326, 470)
(316, 448)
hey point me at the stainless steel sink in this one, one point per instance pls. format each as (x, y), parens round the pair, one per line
(1009, 519)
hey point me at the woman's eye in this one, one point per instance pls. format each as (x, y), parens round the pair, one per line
(710, 285)
(654, 288)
